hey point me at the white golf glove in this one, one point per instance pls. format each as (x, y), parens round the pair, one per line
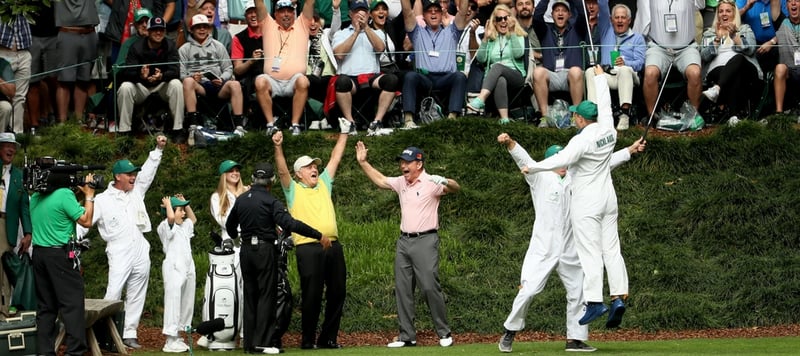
(344, 125)
(438, 179)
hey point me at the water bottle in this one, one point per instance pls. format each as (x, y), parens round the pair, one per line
(318, 67)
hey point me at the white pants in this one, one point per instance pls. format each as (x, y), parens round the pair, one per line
(129, 268)
(21, 65)
(597, 240)
(130, 94)
(536, 269)
(623, 81)
(179, 289)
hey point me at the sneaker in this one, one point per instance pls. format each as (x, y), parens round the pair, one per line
(446, 341)
(544, 122)
(615, 316)
(506, 341)
(410, 125)
(624, 122)
(397, 343)
(578, 346)
(202, 341)
(296, 130)
(733, 121)
(712, 93)
(476, 104)
(353, 131)
(375, 126)
(269, 350)
(323, 125)
(593, 311)
(503, 121)
(344, 125)
(314, 125)
(190, 138)
(175, 345)
(239, 131)
(132, 343)
(271, 129)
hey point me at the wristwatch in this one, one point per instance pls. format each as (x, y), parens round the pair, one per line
(774, 41)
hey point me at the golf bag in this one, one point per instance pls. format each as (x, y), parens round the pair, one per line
(222, 297)
(284, 301)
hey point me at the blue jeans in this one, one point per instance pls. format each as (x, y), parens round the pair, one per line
(455, 82)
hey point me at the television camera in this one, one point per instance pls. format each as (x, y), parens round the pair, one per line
(46, 174)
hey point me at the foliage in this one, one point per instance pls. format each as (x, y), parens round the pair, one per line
(9, 9)
(707, 223)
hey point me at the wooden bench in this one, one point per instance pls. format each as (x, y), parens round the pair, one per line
(103, 311)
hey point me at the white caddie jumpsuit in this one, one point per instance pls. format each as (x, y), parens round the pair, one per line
(179, 275)
(594, 200)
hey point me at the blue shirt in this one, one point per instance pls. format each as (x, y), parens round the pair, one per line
(362, 58)
(753, 18)
(435, 51)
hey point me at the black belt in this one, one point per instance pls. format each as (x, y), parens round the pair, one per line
(418, 234)
(672, 48)
(249, 240)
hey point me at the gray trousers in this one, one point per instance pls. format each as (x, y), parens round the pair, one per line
(416, 262)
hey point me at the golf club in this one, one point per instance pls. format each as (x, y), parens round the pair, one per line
(592, 53)
(658, 98)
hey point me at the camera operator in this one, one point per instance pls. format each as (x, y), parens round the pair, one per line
(122, 220)
(14, 212)
(59, 284)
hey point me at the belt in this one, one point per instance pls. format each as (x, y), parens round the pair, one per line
(255, 240)
(417, 234)
(672, 48)
(236, 22)
(2, 215)
(79, 30)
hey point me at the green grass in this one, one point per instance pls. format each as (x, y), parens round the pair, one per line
(708, 224)
(698, 347)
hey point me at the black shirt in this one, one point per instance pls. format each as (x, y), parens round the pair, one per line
(257, 212)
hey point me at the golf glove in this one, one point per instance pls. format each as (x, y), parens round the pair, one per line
(438, 179)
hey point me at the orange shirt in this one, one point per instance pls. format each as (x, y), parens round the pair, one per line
(290, 46)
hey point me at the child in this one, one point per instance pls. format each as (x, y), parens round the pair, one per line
(177, 269)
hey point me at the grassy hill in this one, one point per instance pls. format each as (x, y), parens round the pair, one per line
(708, 224)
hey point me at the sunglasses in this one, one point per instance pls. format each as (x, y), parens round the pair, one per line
(500, 18)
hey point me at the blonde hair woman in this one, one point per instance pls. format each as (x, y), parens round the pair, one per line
(502, 51)
(728, 54)
(230, 186)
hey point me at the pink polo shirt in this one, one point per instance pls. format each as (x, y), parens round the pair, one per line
(419, 202)
(291, 46)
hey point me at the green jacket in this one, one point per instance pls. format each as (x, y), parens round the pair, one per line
(17, 207)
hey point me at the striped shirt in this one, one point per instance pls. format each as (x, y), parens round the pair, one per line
(16, 34)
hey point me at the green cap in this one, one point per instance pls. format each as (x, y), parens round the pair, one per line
(124, 166)
(552, 150)
(227, 165)
(376, 3)
(142, 13)
(586, 108)
(175, 202)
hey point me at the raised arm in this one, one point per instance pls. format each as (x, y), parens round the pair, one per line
(373, 174)
(280, 160)
(308, 10)
(409, 19)
(261, 10)
(336, 154)
(461, 18)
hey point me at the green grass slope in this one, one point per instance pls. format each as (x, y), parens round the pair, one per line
(708, 224)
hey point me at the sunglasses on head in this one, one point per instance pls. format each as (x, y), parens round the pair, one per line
(500, 18)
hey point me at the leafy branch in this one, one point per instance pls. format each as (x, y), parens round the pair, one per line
(10, 9)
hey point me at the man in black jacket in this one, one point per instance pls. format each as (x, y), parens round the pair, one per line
(152, 66)
(258, 214)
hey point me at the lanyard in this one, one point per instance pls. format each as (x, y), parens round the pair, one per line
(283, 41)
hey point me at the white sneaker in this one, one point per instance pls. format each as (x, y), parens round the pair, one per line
(202, 342)
(712, 93)
(733, 121)
(410, 125)
(239, 131)
(344, 125)
(398, 343)
(315, 125)
(296, 130)
(175, 346)
(269, 350)
(323, 125)
(624, 122)
(446, 341)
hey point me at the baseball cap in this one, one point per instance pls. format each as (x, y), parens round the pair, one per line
(227, 165)
(356, 5)
(304, 161)
(552, 150)
(175, 202)
(411, 154)
(376, 3)
(202, 2)
(263, 170)
(586, 108)
(428, 3)
(8, 137)
(560, 2)
(142, 13)
(283, 3)
(124, 166)
(249, 5)
(156, 22)
(200, 19)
